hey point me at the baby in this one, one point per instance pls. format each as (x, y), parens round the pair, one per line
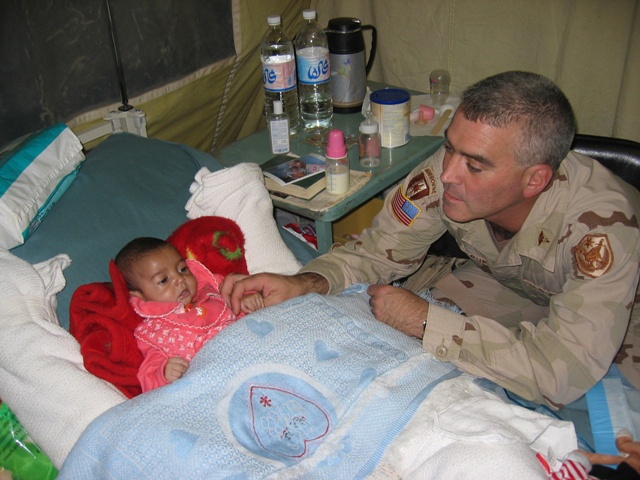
(181, 305)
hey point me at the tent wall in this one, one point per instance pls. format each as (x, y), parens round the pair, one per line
(221, 102)
(591, 48)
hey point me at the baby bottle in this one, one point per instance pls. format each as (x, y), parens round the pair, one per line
(369, 143)
(337, 164)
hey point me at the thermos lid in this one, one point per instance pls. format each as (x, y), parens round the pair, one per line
(390, 96)
(344, 25)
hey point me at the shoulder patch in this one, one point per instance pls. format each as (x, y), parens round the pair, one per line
(593, 256)
(404, 209)
(422, 185)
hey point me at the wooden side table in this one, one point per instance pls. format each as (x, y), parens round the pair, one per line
(395, 164)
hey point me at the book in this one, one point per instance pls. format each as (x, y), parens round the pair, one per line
(301, 177)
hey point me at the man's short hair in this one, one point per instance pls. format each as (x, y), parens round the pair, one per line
(531, 101)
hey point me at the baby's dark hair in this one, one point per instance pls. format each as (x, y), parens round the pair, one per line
(134, 251)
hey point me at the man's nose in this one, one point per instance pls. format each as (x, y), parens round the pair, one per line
(179, 279)
(450, 170)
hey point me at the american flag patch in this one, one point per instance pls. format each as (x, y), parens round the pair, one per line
(404, 209)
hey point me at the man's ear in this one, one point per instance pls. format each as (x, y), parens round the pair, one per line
(136, 293)
(536, 179)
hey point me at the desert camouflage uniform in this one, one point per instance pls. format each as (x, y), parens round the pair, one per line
(574, 266)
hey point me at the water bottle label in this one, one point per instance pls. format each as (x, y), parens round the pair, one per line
(313, 69)
(279, 77)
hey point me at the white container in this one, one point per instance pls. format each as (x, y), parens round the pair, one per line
(278, 129)
(390, 108)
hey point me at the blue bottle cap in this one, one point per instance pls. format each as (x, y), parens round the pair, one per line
(390, 96)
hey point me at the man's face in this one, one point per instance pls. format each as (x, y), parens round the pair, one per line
(163, 276)
(480, 176)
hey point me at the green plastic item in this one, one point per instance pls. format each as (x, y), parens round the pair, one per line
(18, 454)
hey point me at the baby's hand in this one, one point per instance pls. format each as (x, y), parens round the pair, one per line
(251, 302)
(175, 368)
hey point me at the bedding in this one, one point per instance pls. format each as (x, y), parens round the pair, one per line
(42, 376)
(34, 174)
(311, 388)
(378, 394)
(136, 186)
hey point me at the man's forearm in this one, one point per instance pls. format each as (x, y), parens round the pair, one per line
(313, 283)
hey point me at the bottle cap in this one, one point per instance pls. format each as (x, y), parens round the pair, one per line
(277, 107)
(273, 20)
(335, 146)
(369, 126)
(309, 14)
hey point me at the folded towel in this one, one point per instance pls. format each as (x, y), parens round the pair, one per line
(239, 193)
(102, 320)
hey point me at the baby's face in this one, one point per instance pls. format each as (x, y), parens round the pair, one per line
(163, 276)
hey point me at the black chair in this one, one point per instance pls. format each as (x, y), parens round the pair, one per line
(620, 156)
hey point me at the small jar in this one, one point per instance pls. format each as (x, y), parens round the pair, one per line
(369, 143)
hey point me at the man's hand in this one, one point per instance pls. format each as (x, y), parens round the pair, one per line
(398, 308)
(273, 288)
(175, 368)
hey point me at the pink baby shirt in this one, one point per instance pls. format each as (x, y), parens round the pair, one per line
(170, 329)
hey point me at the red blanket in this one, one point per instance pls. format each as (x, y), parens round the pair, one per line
(102, 321)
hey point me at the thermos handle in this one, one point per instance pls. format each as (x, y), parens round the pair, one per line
(374, 42)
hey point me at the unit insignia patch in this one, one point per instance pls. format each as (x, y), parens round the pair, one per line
(422, 185)
(593, 256)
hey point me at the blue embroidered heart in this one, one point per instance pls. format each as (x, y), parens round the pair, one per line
(262, 329)
(183, 442)
(285, 422)
(280, 416)
(323, 352)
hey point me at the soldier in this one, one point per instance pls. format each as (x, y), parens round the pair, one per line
(551, 235)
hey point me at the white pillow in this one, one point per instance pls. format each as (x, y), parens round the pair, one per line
(42, 375)
(33, 176)
(239, 193)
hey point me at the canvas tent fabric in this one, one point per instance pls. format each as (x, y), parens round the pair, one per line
(591, 48)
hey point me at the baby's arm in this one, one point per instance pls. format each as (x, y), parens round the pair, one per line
(251, 302)
(175, 368)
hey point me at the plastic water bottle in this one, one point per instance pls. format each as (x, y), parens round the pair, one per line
(314, 74)
(279, 72)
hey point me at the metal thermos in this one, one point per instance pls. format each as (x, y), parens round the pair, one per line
(349, 69)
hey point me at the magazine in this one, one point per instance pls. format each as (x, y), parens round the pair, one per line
(301, 177)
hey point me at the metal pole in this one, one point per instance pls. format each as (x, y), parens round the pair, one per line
(123, 88)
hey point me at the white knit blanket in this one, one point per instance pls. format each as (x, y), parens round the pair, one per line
(42, 375)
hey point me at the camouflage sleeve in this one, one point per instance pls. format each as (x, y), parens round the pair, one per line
(553, 360)
(396, 244)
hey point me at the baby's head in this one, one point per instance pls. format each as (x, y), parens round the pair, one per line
(155, 271)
